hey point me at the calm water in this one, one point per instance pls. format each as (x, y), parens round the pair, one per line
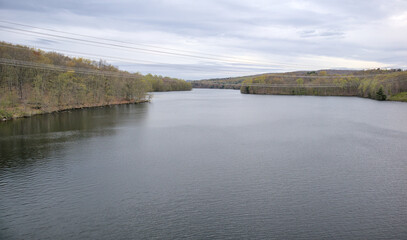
(208, 164)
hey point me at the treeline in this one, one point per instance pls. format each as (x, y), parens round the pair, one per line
(34, 81)
(222, 83)
(377, 84)
(165, 84)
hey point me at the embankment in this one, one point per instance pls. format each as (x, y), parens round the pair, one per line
(375, 83)
(24, 112)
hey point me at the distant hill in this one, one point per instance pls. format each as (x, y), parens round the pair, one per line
(374, 83)
(287, 77)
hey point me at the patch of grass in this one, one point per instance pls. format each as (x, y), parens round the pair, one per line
(402, 97)
(5, 114)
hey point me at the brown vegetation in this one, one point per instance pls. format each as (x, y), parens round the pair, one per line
(33, 81)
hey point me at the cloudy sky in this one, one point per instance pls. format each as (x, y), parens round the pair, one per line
(215, 38)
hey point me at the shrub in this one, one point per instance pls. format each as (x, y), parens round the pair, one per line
(5, 114)
(380, 95)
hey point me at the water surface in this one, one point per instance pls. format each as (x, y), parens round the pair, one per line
(208, 164)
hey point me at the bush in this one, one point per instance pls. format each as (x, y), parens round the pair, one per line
(5, 115)
(380, 95)
(399, 97)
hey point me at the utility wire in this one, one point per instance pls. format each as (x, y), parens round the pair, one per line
(43, 66)
(20, 63)
(233, 64)
(285, 75)
(127, 60)
(145, 45)
(98, 43)
(112, 40)
(160, 52)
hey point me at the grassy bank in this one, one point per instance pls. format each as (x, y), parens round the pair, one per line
(401, 97)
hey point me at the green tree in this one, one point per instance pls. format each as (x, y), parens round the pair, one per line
(380, 94)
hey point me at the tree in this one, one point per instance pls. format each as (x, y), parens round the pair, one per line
(380, 95)
(37, 95)
(323, 73)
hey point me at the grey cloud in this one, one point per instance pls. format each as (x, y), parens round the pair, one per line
(324, 33)
(314, 27)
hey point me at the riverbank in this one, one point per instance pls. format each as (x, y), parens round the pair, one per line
(381, 94)
(401, 97)
(375, 84)
(23, 112)
(33, 81)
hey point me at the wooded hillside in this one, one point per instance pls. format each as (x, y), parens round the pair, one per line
(376, 83)
(34, 81)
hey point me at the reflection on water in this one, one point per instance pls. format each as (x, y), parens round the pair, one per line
(24, 141)
(208, 164)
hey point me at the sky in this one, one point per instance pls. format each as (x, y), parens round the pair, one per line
(214, 38)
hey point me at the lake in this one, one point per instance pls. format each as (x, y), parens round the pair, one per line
(208, 164)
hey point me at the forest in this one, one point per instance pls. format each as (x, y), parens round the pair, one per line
(33, 81)
(379, 84)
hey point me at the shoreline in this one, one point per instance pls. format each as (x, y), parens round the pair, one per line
(28, 115)
(399, 97)
(308, 95)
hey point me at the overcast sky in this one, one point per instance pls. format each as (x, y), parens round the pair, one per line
(217, 38)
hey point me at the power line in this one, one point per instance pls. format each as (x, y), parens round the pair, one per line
(90, 44)
(146, 62)
(285, 75)
(80, 53)
(43, 66)
(133, 61)
(161, 52)
(268, 75)
(165, 51)
(112, 40)
(292, 85)
(151, 46)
